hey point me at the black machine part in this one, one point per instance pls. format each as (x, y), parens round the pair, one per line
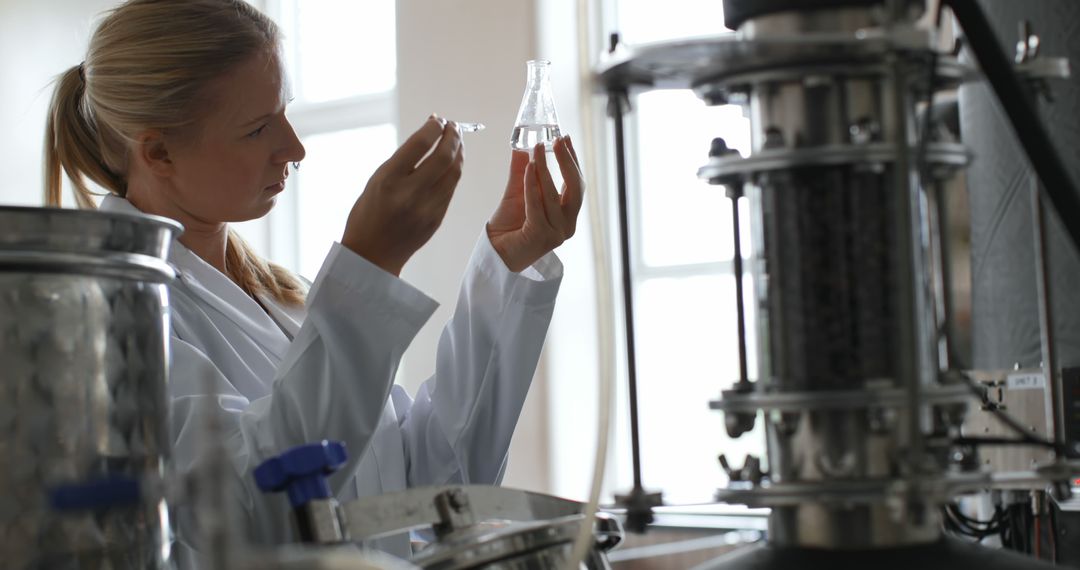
(946, 553)
(736, 12)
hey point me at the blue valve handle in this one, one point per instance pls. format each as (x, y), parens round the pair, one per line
(112, 492)
(302, 471)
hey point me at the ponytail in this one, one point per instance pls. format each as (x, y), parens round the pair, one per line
(73, 145)
(256, 275)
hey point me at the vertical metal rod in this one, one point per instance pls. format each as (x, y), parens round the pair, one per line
(1053, 398)
(735, 192)
(908, 244)
(616, 100)
(940, 228)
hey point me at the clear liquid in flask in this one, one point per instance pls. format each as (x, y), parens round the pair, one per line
(525, 137)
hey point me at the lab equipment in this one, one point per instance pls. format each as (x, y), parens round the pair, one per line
(83, 342)
(537, 122)
(860, 398)
(474, 526)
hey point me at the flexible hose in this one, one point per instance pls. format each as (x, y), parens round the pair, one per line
(604, 295)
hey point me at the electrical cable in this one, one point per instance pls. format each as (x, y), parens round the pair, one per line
(1052, 535)
(958, 523)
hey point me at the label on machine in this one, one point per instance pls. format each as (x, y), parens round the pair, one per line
(1025, 381)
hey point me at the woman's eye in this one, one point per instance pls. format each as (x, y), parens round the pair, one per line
(256, 132)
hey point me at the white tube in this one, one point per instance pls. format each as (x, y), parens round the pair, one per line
(604, 294)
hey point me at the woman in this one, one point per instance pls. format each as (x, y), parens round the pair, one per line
(179, 111)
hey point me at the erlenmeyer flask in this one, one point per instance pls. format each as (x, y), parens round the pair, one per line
(537, 121)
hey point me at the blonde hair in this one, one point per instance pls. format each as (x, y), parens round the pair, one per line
(147, 67)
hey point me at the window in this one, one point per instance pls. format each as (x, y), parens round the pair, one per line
(341, 56)
(682, 267)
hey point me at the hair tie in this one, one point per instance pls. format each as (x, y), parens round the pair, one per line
(82, 71)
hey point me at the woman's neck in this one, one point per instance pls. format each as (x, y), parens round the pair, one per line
(207, 240)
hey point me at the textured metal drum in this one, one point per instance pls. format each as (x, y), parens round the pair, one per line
(83, 342)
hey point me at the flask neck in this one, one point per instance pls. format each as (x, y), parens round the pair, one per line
(537, 72)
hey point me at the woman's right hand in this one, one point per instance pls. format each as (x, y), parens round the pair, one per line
(405, 200)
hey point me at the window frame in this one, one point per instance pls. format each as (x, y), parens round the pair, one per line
(279, 231)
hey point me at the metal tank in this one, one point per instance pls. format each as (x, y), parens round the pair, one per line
(83, 342)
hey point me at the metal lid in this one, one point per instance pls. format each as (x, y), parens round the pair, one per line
(112, 244)
(736, 12)
(487, 543)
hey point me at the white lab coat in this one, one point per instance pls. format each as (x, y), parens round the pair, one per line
(326, 371)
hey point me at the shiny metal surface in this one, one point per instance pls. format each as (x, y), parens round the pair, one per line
(704, 62)
(380, 515)
(482, 526)
(511, 546)
(811, 21)
(295, 557)
(321, 519)
(83, 340)
(945, 157)
(872, 397)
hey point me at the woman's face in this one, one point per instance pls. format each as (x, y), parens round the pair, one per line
(234, 162)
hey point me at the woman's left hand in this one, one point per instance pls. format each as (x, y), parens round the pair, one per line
(533, 217)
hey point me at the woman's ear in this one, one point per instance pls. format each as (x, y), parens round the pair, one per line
(152, 152)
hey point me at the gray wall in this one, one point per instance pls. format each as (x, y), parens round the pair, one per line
(1005, 311)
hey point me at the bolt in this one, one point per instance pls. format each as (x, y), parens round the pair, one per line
(719, 148)
(774, 138)
(458, 500)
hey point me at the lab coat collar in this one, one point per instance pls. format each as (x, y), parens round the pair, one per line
(226, 297)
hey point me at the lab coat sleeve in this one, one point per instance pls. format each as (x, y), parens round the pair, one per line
(332, 384)
(458, 428)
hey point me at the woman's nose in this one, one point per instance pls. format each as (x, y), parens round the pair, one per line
(293, 150)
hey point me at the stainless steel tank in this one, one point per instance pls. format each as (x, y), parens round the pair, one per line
(84, 353)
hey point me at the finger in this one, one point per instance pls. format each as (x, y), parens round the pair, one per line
(573, 153)
(573, 195)
(534, 203)
(547, 188)
(519, 160)
(440, 159)
(443, 189)
(415, 147)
